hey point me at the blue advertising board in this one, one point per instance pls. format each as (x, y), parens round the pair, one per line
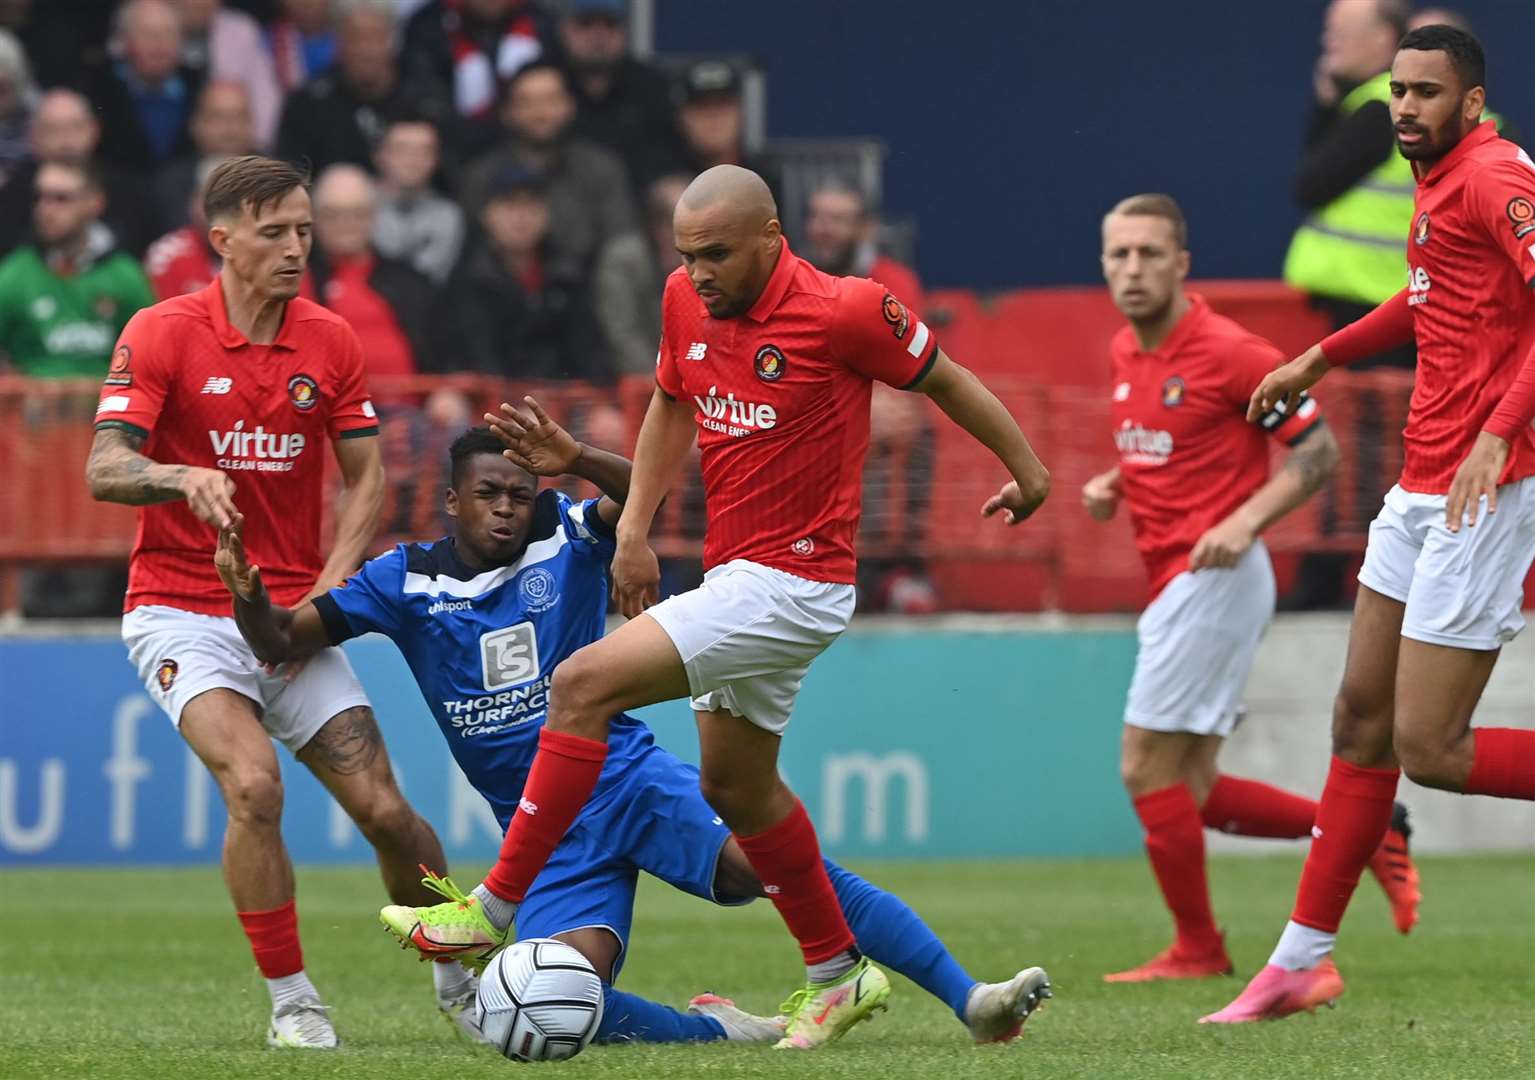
(906, 743)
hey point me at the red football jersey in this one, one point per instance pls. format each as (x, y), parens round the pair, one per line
(1471, 262)
(201, 394)
(1187, 455)
(782, 396)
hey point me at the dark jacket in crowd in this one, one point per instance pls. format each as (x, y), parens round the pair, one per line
(407, 291)
(636, 120)
(125, 140)
(324, 123)
(131, 212)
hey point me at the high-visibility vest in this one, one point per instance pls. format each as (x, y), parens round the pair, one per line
(1354, 248)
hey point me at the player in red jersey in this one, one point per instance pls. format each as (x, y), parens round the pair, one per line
(1440, 589)
(228, 396)
(1194, 475)
(769, 362)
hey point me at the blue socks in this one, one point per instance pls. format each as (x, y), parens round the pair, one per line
(628, 1018)
(891, 933)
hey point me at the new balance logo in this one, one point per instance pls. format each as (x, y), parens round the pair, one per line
(527, 806)
(217, 385)
(696, 351)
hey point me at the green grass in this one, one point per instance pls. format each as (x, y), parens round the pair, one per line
(145, 974)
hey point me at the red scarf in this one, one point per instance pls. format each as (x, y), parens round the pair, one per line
(475, 78)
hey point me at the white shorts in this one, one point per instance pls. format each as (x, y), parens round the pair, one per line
(1197, 643)
(747, 636)
(181, 654)
(1461, 589)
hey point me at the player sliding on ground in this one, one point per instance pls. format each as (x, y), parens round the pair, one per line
(1194, 475)
(483, 619)
(769, 363)
(1440, 588)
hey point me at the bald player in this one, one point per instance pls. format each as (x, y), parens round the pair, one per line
(768, 362)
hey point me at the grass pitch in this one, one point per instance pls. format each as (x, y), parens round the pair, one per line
(145, 974)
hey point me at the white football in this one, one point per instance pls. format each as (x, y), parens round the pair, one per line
(539, 1000)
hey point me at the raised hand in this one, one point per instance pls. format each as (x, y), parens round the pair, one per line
(533, 440)
(1286, 381)
(239, 577)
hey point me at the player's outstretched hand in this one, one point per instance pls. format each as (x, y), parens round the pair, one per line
(210, 494)
(1221, 547)
(636, 578)
(1014, 503)
(1101, 495)
(239, 576)
(1286, 381)
(1477, 476)
(533, 440)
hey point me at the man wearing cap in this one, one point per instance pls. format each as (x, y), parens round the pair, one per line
(713, 122)
(519, 311)
(621, 102)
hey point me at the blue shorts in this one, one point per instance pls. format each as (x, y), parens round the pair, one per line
(653, 819)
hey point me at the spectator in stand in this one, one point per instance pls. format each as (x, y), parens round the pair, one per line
(64, 129)
(49, 36)
(386, 301)
(302, 42)
(621, 103)
(221, 127)
(339, 116)
(411, 221)
(519, 312)
(65, 298)
(18, 95)
(588, 190)
(712, 120)
(631, 275)
(183, 261)
(144, 93)
(227, 45)
(841, 237)
(475, 47)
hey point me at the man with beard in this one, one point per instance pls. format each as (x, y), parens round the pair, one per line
(1440, 589)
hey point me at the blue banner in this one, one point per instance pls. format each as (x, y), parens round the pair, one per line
(915, 742)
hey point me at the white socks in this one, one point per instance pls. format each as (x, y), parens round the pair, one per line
(291, 988)
(1301, 947)
(450, 979)
(832, 970)
(500, 912)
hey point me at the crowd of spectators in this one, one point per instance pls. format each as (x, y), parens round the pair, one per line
(509, 161)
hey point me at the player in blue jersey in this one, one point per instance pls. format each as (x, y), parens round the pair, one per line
(482, 618)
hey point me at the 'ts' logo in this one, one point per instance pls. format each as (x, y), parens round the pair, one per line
(509, 656)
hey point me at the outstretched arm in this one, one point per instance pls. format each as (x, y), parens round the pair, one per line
(117, 472)
(1312, 462)
(275, 634)
(535, 442)
(968, 402)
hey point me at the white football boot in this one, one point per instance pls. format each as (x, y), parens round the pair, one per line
(739, 1025)
(301, 1025)
(995, 1012)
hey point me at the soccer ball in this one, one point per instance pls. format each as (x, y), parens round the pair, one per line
(539, 1000)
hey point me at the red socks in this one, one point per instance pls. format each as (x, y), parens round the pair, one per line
(1504, 763)
(274, 940)
(1351, 819)
(1175, 842)
(563, 777)
(787, 858)
(1249, 808)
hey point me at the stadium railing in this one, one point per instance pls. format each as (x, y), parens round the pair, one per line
(1043, 352)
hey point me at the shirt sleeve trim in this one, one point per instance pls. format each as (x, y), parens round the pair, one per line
(337, 629)
(927, 366)
(1292, 441)
(123, 425)
(358, 433)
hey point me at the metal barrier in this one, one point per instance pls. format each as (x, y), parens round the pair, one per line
(924, 483)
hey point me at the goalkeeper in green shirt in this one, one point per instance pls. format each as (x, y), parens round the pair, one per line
(65, 298)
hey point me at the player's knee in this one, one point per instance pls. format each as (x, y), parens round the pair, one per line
(1361, 725)
(1425, 761)
(385, 818)
(578, 698)
(253, 797)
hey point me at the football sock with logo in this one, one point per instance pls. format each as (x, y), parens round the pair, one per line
(628, 1018)
(274, 942)
(563, 777)
(787, 859)
(1251, 808)
(501, 913)
(1351, 818)
(450, 979)
(891, 933)
(1504, 763)
(1175, 844)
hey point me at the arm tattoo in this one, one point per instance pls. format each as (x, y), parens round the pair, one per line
(1314, 458)
(117, 471)
(348, 743)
